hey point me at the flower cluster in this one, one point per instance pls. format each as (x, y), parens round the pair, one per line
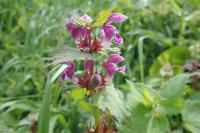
(83, 34)
(98, 72)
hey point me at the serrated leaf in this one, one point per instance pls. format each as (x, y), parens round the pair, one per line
(69, 54)
(174, 87)
(191, 117)
(139, 120)
(142, 94)
(102, 17)
(158, 124)
(171, 107)
(111, 99)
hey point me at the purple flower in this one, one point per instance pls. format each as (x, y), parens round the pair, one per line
(77, 25)
(116, 18)
(77, 32)
(111, 65)
(115, 58)
(68, 71)
(109, 32)
(89, 64)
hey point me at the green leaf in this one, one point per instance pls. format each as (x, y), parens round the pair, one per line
(60, 69)
(70, 54)
(172, 106)
(52, 123)
(139, 120)
(170, 61)
(102, 17)
(158, 124)
(171, 95)
(4, 128)
(82, 105)
(8, 65)
(112, 100)
(175, 7)
(57, 118)
(142, 94)
(191, 117)
(174, 87)
(44, 116)
(22, 105)
(79, 93)
(140, 57)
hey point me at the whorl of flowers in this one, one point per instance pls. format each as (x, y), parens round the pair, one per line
(90, 39)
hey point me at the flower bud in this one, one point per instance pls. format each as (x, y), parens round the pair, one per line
(95, 80)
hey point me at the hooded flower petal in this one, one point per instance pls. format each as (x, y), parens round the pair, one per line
(115, 58)
(76, 32)
(89, 64)
(68, 72)
(109, 32)
(69, 25)
(116, 18)
(111, 68)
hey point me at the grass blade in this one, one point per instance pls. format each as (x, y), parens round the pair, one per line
(43, 126)
(140, 51)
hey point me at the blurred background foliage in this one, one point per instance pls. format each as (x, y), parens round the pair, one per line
(160, 36)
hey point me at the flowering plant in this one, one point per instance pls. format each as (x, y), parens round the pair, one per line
(101, 60)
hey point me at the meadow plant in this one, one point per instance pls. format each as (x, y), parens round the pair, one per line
(95, 38)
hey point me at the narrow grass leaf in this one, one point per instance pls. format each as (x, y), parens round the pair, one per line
(43, 126)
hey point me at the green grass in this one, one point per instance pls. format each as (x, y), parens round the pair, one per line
(31, 30)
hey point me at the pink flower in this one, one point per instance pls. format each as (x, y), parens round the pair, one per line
(111, 65)
(116, 18)
(77, 32)
(77, 25)
(91, 80)
(109, 32)
(89, 64)
(68, 71)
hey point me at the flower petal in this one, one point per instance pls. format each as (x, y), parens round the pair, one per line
(69, 25)
(118, 39)
(115, 58)
(102, 33)
(111, 68)
(109, 31)
(89, 64)
(75, 33)
(117, 18)
(83, 32)
(68, 72)
(121, 69)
